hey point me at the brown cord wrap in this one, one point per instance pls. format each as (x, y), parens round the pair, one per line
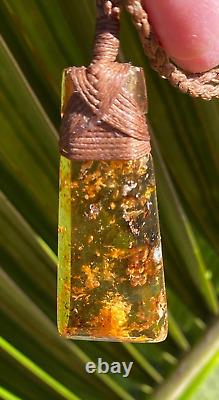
(204, 85)
(104, 117)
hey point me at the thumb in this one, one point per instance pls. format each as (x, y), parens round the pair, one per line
(187, 30)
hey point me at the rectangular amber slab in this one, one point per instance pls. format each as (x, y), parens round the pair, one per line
(110, 275)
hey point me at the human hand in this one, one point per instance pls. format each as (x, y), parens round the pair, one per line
(187, 30)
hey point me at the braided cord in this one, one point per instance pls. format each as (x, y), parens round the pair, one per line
(104, 115)
(204, 85)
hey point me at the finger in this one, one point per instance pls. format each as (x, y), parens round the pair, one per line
(188, 31)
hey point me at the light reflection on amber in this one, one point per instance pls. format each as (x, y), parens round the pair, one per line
(117, 289)
(110, 275)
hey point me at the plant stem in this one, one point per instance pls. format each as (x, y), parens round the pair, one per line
(190, 366)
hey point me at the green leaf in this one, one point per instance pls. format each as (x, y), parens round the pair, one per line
(39, 39)
(189, 377)
(6, 395)
(27, 363)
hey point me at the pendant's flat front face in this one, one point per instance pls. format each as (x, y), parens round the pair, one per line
(111, 281)
(110, 274)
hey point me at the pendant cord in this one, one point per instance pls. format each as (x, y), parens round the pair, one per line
(105, 116)
(106, 44)
(204, 85)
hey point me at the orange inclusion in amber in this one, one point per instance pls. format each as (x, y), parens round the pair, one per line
(111, 284)
(110, 273)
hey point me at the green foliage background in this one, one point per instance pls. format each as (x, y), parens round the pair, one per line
(40, 38)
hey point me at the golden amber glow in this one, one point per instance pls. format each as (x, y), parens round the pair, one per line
(111, 284)
(110, 274)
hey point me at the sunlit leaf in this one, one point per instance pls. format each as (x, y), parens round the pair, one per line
(39, 39)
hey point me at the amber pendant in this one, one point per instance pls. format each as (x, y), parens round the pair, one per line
(110, 274)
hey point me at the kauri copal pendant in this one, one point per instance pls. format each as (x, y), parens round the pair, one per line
(110, 273)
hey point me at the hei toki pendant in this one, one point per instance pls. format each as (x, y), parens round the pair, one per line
(110, 274)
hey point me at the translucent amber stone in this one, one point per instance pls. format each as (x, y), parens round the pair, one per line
(110, 275)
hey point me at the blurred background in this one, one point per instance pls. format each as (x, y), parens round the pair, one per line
(39, 39)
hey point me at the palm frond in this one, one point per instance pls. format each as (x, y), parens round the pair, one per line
(39, 39)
